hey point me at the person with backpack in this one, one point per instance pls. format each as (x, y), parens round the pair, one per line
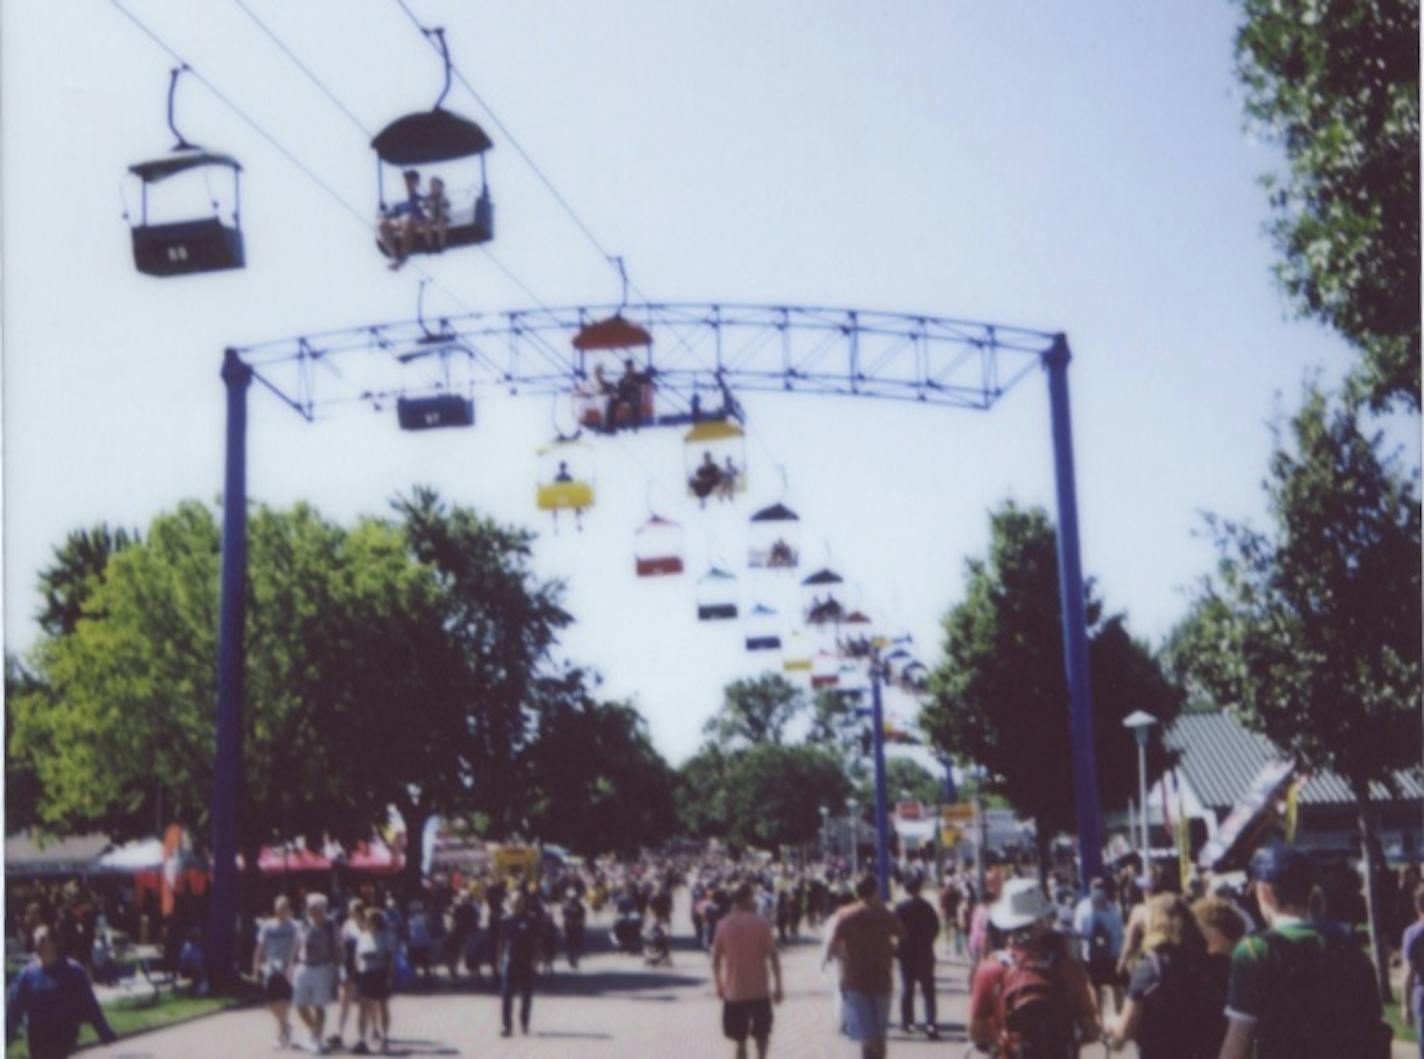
(1031, 999)
(1172, 1005)
(1097, 922)
(1299, 989)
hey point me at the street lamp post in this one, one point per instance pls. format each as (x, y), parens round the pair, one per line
(1140, 723)
(853, 808)
(882, 810)
(825, 833)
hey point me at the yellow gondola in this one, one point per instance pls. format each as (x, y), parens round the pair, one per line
(715, 459)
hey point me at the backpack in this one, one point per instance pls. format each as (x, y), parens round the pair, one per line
(1100, 956)
(1037, 1016)
(1328, 1005)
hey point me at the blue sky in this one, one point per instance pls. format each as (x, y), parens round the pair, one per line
(1082, 168)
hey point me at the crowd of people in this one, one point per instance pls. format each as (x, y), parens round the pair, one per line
(1216, 971)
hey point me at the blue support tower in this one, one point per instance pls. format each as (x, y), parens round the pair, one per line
(1075, 633)
(882, 819)
(222, 908)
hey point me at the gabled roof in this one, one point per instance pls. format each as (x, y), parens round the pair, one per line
(1221, 757)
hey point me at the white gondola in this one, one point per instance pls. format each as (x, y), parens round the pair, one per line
(796, 654)
(775, 539)
(825, 670)
(716, 595)
(857, 635)
(823, 598)
(763, 629)
(657, 548)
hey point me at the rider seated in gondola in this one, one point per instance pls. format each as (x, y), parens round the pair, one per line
(437, 208)
(402, 222)
(628, 393)
(727, 487)
(705, 479)
(781, 554)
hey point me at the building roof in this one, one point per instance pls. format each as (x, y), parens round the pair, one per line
(28, 854)
(1220, 758)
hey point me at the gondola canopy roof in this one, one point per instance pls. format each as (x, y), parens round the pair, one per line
(430, 136)
(181, 162)
(617, 332)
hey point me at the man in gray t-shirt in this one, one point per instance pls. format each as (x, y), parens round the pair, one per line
(272, 965)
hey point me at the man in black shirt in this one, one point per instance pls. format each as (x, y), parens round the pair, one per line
(519, 945)
(917, 960)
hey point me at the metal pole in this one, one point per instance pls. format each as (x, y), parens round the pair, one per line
(222, 908)
(1142, 790)
(882, 845)
(1075, 634)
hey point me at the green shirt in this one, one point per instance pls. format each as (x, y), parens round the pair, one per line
(1307, 987)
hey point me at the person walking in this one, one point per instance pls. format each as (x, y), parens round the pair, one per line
(575, 920)
(1412, 949)
(314, 985)
(950, 898)
(351, 930)
(1299, 989)
(52, 998)
(1097, 923)
(1030, 999)
(519, 949)
(917, 958)
(863, 940)
(742, 950)
(1172, 1009)
(375, 974)
(272, 965)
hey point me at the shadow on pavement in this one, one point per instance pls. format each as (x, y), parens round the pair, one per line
(597, 983)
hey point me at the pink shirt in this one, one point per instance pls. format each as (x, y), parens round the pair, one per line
(745, 943)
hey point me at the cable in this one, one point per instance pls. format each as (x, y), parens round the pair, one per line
(305, 69)
(369, 135)
(519, 149)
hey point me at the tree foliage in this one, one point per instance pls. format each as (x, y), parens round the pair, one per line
(78, 567)
(1312, 629)
(756, 711)
(905, 779)
(1337, 83)
(1000, 697)
(591, 778)
(764, 796)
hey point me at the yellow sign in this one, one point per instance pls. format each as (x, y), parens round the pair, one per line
(958, 813)
(950, 835)
(517, 860)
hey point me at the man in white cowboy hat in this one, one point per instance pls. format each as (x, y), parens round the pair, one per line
(1031, 999)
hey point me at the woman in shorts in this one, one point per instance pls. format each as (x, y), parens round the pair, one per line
(375, 969)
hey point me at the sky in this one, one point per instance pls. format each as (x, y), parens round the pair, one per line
(1083, 168)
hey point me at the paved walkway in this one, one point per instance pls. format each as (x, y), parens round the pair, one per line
(612, 1006)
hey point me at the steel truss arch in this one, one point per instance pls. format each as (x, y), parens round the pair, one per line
(698, 347)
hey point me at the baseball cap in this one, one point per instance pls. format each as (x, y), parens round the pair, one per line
(1279, 863)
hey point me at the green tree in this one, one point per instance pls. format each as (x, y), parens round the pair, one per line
(764, 796)
(78, 567)
(1311, 630)
(1000, 697)
(22, 785)
(1337, 84)
(756, 711)
(591, 778)
(905, 779)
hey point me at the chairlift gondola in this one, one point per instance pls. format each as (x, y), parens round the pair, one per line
(821, 606)
(617, 389)
(825, 670)
(449, 213)
(763, 629)
(715, 459)
(566, 479)
(190, 244)
(716, 595)
(796, 654)
(657, 548)
(775, 539)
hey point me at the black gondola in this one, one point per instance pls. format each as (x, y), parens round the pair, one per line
(430, 138)
(196, 244)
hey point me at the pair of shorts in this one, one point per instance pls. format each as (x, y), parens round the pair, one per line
(741, 1018)
(373, 985)
(315, 985)
(277, 989)
(865, 1017)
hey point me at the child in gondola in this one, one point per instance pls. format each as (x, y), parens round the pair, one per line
(437, 209)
